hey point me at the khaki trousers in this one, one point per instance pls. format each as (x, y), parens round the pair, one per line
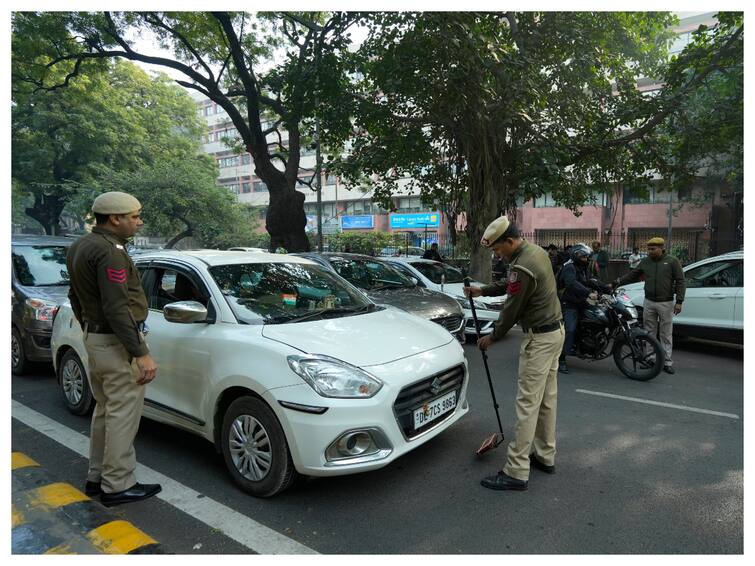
(535, 403)
(658, 319)
(112, 378)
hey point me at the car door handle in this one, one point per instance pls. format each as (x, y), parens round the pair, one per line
(717, 296)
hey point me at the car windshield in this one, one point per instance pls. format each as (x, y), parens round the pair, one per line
(285, 292)
(40, 266)
(369, 274)
(435, 271)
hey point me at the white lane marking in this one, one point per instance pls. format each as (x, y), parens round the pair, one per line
(659, 404)
(242, 529)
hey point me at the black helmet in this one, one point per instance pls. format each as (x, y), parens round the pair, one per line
(579, 250)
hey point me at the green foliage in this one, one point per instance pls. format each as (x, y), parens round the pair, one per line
(485, 110)
(112, 119)
(370, 243)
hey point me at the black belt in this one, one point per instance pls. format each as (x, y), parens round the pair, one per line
(544, 328)
(94, 328)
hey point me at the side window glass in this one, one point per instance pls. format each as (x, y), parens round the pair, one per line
(173, 286)
(716, 274)
(732, 276)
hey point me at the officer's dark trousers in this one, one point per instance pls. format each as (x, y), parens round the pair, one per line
(571, 318)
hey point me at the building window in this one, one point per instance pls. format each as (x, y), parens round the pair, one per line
(258, 186)
(246, 187)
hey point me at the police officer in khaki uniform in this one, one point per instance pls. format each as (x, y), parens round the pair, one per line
(109, 303)
(533, 302)
(664, 293)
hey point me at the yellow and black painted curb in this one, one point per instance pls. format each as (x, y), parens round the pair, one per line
(49, 517)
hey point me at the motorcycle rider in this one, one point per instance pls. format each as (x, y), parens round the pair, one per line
(577, 286)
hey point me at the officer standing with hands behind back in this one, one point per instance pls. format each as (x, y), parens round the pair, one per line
(108, 301)
(533, 302)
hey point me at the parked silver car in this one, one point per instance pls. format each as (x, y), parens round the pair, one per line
(39, 283)
(383, 284)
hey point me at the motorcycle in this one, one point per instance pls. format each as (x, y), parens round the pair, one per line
(609, 326)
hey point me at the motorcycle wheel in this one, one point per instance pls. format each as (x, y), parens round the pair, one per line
(647, 364)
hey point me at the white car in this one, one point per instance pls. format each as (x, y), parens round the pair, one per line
(286, 367)
(714, 300)
(449, 280)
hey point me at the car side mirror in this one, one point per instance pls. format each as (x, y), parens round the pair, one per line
(185, 312)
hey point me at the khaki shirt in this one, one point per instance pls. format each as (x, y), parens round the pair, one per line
(105, 288)
(531, 288)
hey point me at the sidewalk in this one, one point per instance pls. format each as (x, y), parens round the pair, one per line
(50, 517)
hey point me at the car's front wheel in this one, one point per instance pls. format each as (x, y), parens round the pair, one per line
(74, 385)
(19, 363)
(255, 449)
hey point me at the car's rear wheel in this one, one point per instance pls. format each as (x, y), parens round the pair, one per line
(19, 363)
(74, 384)
(255, 449)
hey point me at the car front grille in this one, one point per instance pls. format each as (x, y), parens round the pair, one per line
(450, 323)
(417, 394)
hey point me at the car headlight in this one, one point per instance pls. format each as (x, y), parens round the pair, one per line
(464, 303)
(42, 310)
(330, 377)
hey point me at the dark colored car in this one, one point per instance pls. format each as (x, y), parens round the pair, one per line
(383, 284)
(39, 281)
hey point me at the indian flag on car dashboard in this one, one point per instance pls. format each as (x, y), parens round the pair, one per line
(289, 300)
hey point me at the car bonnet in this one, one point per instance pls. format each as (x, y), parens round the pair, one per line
(362, 340)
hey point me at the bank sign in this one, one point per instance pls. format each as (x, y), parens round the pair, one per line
(415, 220)
(357, 222)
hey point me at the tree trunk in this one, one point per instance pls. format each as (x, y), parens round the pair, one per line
(47, 210)
(286, 220)
(178, 237)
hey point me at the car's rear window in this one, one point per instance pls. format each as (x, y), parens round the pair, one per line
(40, 266)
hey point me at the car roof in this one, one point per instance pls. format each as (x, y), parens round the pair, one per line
(39, 240)
(223, 257)
(737, 254)
(330, 255)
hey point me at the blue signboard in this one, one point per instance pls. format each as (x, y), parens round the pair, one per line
(415, 220)
(357, 222)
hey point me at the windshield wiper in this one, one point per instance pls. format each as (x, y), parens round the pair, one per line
(323, 312)
(389, 284)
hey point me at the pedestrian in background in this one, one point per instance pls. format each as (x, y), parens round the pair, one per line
(108, 301)
(432, 253)
(533, 302)
(553, 256)
(664, 293)
(600, 260)
(634, 258)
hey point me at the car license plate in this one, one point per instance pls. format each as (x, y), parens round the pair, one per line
(434, 409)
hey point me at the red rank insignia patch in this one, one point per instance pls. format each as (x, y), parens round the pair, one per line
(116, 275)
(515, 285)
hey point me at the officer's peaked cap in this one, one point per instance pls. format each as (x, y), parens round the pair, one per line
(115, 202)
(494, 231)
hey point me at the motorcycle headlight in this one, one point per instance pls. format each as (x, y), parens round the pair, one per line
(330, 377)
(464, 303)
(42, 310)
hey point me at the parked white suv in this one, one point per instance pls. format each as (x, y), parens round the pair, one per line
(447, 279)
(714, 301)
(284, 365)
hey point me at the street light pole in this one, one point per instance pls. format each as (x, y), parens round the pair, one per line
(318, 179)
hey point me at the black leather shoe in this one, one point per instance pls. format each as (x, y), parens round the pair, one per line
(136, 492)
(93, 488)
(502, 481)
(562, 367)
(669, 369)
(536, 463)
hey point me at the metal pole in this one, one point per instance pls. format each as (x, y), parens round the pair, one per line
(318, 180)
(670, 220)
